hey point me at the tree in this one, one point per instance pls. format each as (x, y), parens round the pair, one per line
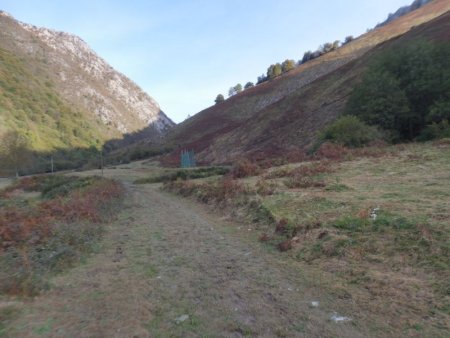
(14, 151)
(439, 111)
(261, 79)
(348, 39)
(274, 71)
(326, 47)
(405, 89)
(249, 85)
(336, 45)
(307, 56)
(387, 107)
(219, 99)
(235, 90)
(287, 65)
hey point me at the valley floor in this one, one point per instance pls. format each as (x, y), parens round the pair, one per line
(166, 269)
(169, 267)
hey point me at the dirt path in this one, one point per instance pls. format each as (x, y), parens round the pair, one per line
(167, 269)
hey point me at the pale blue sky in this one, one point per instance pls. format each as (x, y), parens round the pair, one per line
(184, 53)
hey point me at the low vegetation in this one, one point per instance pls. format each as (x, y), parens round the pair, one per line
(375, 217)
(184, 174)
(49, 222)
(350, 132)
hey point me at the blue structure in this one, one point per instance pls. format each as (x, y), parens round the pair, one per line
(187, 159)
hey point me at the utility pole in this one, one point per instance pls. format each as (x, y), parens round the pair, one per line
(101, 160)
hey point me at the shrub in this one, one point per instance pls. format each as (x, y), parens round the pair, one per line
(331, 151)
(303, 182)
(244, 168)
(350, 131)
(265, 188)
(279, 173)
(285, 245)
(436, 131)
(45, 236)
(305, 176)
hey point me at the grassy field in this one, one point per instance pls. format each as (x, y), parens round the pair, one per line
(374, 223)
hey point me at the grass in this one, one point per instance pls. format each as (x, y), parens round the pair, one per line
(51, 229)
(184, 174)
(401, 252)
(7, 314)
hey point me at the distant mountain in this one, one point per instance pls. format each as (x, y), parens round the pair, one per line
(288, 111)
(404, 10)
(59, 93)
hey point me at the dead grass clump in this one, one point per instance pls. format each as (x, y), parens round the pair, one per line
(296, 156)
(244, 168)
(375, 151)
(278, 173)
(265, 238)
(303, 182)
(305, 228)
(332, 151)
(285, 245)
(311, 169)
(443, 142)
(265, 188)
(281, 227)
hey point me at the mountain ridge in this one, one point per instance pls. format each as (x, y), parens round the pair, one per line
(82, 80)
(239, 126)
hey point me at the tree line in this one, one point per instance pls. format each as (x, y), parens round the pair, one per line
(277, 69)
(404, 95)
(406, 92)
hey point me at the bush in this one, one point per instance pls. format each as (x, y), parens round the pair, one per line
(244, 168)
(51, 233)
(331, 151)
(350, 131)
(436, 131)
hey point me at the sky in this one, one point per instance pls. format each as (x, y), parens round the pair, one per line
(185, 52)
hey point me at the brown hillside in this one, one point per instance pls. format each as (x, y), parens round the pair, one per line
(289, 110)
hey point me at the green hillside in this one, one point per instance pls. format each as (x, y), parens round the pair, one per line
(30, 105)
